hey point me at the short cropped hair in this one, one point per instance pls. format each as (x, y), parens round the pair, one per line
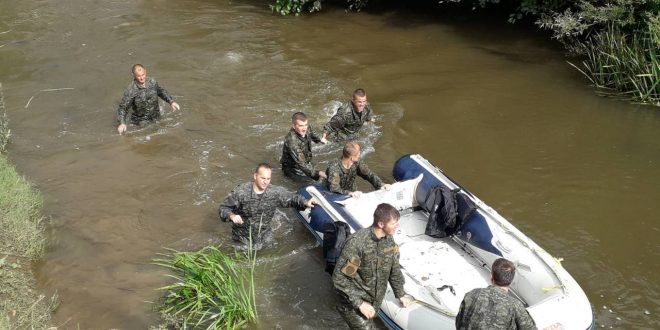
(350, 149)
(503, 272)
(385, 213)
(298, 116)
(136, 66)
(359, 92)
(263, 165)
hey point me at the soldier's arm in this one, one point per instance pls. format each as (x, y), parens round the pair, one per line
(314, 134)
(396, 277)
(365, 173)
(459, 316)
(122, 110)
(229, 206)
(290, 199)
(163, 94)
(523, 320)
(342, 277)
(298, 155)
(336, 122)
(370, 118)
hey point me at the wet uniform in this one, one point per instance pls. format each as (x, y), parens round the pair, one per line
(492, 308)
(297, 155)
(143, 101)
(346, 123)
(257, 211)
(341, 180)
(377, 263)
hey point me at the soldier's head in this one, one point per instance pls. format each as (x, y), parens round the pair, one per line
(503, 272)
(139, 73)
(351, 151)
(359, 99)
(386, 219)
(299, 123)
(262, 176)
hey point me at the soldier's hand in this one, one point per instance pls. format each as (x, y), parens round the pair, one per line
(386, 186)
(324, 140)
(322, 175)
(311, 202)
(121, 128)
(235, 218)
(367, 310)
(356, 194)
(175, 106)
(405, 301)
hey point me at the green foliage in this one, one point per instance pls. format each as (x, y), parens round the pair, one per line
(211, 289)
(295, 7)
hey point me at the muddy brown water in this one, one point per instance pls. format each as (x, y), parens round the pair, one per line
(496, 107)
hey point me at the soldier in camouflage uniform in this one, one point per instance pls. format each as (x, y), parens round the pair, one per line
(350, 117)
(297, 150)
(142, 95)
(492, 307)
(342, 172)
(251, 207)
(368, 261)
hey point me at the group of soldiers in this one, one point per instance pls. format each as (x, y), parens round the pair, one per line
(369, 259)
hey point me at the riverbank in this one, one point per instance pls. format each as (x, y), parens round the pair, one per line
(21, 242)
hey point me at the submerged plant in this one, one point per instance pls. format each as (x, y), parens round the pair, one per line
(212, 290)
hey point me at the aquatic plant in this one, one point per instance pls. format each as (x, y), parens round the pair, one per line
(623, 65)
(212, 289)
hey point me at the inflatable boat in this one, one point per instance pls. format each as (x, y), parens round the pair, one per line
(439, 271)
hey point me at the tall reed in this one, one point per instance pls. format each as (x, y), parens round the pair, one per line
(212, 290)
(624, 66)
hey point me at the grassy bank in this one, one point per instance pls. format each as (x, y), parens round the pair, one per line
(21, 243)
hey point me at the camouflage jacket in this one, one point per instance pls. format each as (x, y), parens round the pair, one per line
(143, 101)
(297, 153)
(346, 123)
(257, 210)
(341, 180)
(492, 308)
(378, 261)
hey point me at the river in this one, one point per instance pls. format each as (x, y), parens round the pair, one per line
(495, 106)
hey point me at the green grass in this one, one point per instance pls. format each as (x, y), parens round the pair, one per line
(212, 290)
(624, 66)
(21, 242)
(21, 225)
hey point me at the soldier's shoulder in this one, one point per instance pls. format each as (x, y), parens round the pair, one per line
(277, 190)
(290, 136)
(333, 164)
(245, 186)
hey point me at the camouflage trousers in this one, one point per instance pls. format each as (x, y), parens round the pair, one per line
(263, 240)
(354, 318)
